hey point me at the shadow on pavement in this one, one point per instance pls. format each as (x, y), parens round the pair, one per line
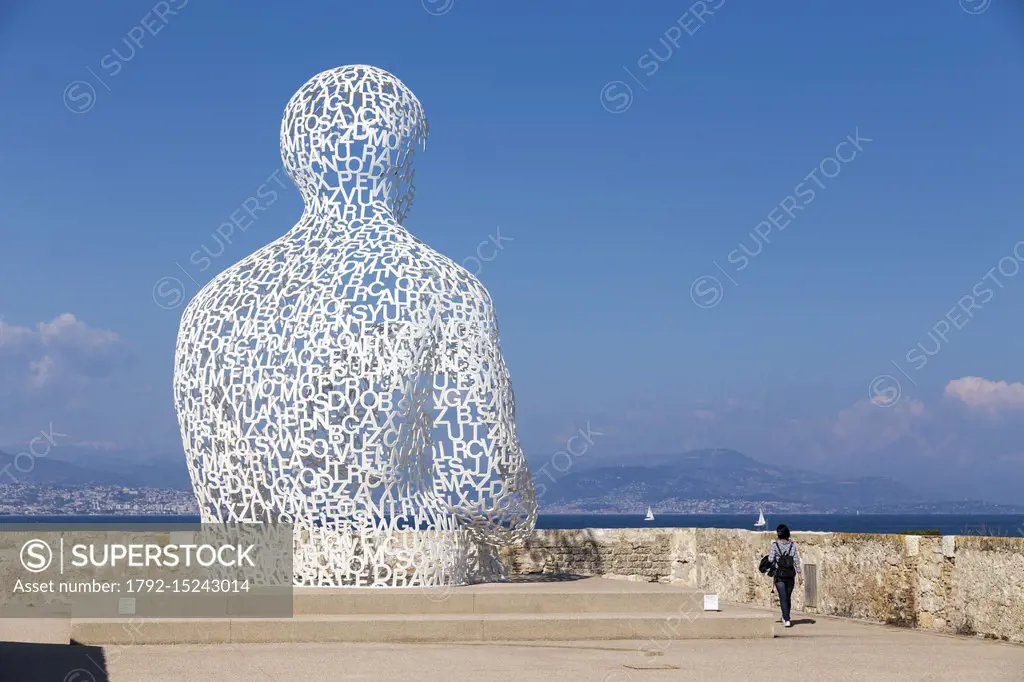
(25, 662)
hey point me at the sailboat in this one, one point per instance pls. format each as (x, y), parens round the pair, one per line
(650, 515)
(761, 523)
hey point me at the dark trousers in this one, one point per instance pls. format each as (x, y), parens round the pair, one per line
(785, 588)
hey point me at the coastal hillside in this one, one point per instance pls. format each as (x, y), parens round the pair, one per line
(714, 481)
(718, 481)
(26, 470)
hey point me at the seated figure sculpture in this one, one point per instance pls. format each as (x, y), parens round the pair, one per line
(348, 379)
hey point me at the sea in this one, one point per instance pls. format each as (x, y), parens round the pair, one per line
(1005, 525)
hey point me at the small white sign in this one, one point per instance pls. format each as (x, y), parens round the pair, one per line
(126, 606)
(710, 602)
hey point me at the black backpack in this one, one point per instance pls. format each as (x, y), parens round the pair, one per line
(784, 566)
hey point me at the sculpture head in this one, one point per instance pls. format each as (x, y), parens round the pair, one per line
(349, 137)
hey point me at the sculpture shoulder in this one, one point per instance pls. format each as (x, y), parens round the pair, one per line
(459, 289)
(464, 290)
(341, 270)
(234, 282)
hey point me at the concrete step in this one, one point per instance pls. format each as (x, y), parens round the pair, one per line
(590, 595)
(428, 628)
(563, 610)
(494, 599)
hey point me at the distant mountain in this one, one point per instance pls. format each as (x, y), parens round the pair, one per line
(727, 477)
(698, 481)
(162, 474)
(48, 470)
(959, 507)
(40, 470)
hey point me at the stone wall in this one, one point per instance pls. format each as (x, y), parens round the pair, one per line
(632, 554)
(955, 584)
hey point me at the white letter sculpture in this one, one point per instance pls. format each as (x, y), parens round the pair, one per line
(346, 378)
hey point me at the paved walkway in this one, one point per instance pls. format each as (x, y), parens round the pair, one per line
(822, 649)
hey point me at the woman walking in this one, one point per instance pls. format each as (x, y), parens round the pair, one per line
(784, 556)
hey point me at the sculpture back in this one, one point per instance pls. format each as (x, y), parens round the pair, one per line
(347, 378)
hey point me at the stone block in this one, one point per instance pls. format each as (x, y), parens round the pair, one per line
(913, 544)
(930, 569)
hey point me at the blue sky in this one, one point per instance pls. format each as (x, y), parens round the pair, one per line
(116, 168)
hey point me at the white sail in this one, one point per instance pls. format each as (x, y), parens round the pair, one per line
(760, 518)
(650, 515)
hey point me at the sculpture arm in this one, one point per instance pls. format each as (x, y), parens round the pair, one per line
(479, 463)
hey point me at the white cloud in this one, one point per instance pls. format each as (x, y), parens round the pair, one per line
(990, 395)
(63, 354)
(77, 377)
(42, 372)
(867, 426)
